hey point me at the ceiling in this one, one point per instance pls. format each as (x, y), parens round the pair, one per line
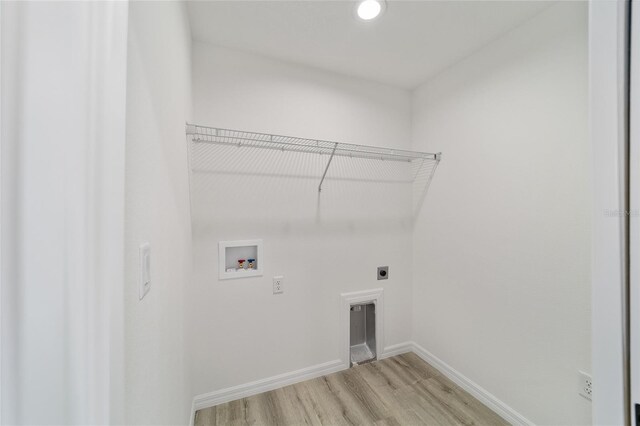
(411, 42)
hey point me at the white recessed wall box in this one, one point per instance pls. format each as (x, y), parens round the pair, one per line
(230, 253)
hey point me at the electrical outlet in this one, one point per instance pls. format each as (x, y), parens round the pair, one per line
(383, 272)
(278, 284)
(586, 385)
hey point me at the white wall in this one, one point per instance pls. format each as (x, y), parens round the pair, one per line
(323, 245)
(502, 249)
(157, 211)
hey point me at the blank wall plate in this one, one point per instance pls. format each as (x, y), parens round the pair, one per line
(145, 270)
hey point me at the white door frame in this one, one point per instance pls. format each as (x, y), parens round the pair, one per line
(105, 207)
(1, 208)
(608, 92)
(634, 210)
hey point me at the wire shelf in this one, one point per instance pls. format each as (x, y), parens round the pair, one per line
(202, 134)
(422, 164)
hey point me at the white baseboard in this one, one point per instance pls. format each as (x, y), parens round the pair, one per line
(393, 350)
(242, 391)
(481, 394)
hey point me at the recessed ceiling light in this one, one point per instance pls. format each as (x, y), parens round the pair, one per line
(369, 9)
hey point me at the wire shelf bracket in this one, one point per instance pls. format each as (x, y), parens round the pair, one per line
(326, 169)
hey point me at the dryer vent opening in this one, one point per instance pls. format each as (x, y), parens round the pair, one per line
(362, 333)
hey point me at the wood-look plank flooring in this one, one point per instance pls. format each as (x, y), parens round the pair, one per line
(401, 390)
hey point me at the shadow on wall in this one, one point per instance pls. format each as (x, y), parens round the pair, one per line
(239, 185)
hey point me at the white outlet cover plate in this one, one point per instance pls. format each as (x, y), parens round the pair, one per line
(278, 284)
(585, 385)
(145, 270)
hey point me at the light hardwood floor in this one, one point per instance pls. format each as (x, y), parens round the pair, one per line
(401, 390)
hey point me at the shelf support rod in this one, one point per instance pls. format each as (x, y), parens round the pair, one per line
(327, 168)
